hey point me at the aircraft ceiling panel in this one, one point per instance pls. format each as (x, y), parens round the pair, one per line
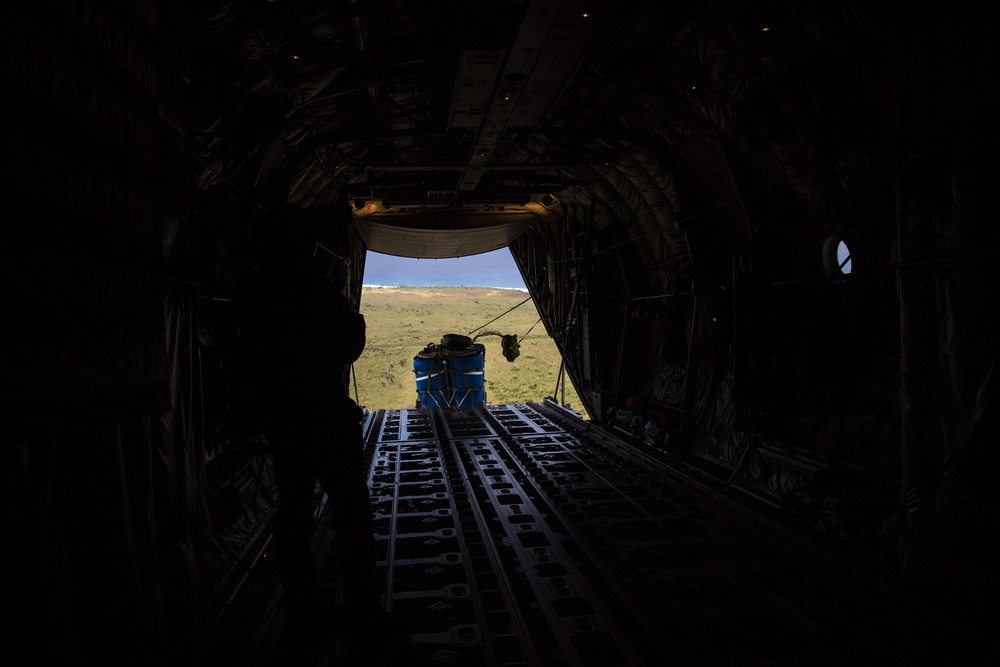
(474, 83)
(439, 243)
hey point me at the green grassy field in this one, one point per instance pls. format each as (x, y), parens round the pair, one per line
(403, 320)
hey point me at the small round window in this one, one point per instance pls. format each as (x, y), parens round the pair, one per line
(836, 256)
(843, 257)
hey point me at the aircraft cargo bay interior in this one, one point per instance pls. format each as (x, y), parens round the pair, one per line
(759, 235)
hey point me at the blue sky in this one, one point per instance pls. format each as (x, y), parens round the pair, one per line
(489, 269)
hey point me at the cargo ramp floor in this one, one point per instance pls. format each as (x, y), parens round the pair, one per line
(523, 535)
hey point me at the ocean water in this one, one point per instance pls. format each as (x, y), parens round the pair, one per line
(489, 269)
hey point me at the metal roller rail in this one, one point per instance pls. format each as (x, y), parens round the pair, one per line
(519, 535)
(839, 599)
(432, 552)
(533, 604)
(594, 552)
(640, 539)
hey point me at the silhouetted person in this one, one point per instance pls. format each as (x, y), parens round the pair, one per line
(297, 335)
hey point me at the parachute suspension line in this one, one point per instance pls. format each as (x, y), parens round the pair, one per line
(355, 378)
(559, 380)
(529, 330)
(563, 401)
(501, 315)
(486, 333)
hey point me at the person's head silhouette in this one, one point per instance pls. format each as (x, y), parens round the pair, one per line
(282, 234)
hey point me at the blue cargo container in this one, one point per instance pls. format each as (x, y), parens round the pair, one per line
(449, 377)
